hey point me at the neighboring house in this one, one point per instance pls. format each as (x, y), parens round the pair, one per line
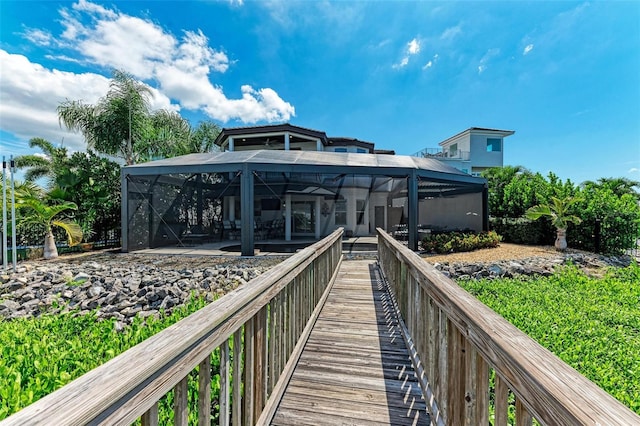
(472, 150)
(285, 182)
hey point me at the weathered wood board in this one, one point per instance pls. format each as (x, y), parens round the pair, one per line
(355, 367)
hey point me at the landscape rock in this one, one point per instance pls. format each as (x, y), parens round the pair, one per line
(122, 286)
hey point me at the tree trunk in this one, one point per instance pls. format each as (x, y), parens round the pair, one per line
(50, 249)
(561, 239)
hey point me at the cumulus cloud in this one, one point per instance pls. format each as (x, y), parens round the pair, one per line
(31, 93)
(181, 66)
(528, 48)
(412, 48)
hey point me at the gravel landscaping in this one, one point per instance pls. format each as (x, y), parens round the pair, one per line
(123, 285)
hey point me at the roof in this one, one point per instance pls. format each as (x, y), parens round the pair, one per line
(304, 161)
(340, 141)
(497, 132)
(225, 133)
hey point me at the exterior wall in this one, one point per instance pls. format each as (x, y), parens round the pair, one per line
(479, 155)
(463, 141)
(460, 212)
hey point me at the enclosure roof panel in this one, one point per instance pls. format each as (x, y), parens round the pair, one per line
(359, 163)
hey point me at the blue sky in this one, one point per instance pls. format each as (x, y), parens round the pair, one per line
(405, 75)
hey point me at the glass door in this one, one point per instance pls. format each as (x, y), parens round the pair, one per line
(303, 216)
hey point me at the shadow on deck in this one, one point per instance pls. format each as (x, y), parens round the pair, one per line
(355, 367)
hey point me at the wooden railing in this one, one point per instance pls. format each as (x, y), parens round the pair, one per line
(456, 341)
(258, 331)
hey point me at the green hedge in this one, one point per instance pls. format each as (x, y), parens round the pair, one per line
(452, 242)
(523, 231)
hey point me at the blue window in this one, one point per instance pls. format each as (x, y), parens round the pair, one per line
(340, 150)
(494, 145)
(361, 151)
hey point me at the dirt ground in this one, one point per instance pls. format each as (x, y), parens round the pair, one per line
(504, 251)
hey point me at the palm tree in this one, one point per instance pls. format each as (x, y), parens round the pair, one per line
(116, 122)
(35, 210)
(558, 211)
(54, 160)
(619, 186)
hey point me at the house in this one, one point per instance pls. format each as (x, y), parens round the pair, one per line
(472, 150)
(285, 182)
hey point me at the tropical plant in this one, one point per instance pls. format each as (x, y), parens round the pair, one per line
(117, 122)
(42, 212)
(45, 166)
(559, 211)
(619, 186)
(122, 124)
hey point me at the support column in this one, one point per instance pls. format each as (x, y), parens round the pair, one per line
(412, 187)
(287, 217)
(199, 202)
(246, 204)
(231, 208)
(318, 214)
(287, 142)
(231, 145)
(485, 208)
(319, 146)
(124, 213)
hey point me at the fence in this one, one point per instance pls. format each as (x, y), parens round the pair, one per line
(259, 331)
(456, 342)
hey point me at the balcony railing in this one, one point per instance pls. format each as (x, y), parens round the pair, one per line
(442, 154)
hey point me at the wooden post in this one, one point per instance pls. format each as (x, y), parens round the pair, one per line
(224, 384)
(204, 391)
(150, 418)
(236, 399)
(180, 405)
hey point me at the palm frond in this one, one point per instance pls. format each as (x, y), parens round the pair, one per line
(73, 230)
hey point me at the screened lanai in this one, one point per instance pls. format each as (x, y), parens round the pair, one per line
(243, 197)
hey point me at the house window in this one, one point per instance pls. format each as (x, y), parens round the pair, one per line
(494, 145)
(360, 206)
(361, 151)
(341, 212)
(340, 150)
(453, 150)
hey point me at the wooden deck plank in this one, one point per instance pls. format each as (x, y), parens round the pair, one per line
(355, 367)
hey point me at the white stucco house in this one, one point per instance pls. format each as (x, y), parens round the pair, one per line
(286, 182)
(472, 150)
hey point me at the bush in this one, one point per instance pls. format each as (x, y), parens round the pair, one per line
(523, 231)
(453, 242)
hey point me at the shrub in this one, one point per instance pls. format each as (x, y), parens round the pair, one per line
(523, 231)
(459, 241)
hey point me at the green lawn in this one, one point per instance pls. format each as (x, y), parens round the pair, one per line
(593, 324)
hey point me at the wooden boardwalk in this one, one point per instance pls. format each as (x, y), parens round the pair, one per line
(355, 367)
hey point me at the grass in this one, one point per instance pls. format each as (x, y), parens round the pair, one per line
(40, 355)
(593, 324)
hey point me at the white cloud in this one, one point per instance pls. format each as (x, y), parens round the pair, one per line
(484, 61)
(413, 48)
(181, 67)
(451, 32)
(31, 93)
(634, 170)
(431, 62)
(38, 37)
(528, 48)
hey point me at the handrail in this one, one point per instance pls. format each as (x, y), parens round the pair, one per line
(264, 320)
(458, 340)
